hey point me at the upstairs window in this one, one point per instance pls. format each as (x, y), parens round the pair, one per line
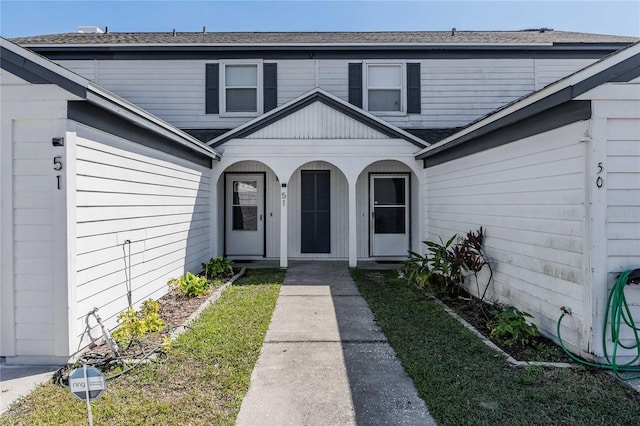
(241, 88)
(384, 88)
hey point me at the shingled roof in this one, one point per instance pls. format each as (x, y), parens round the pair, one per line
(540, 36)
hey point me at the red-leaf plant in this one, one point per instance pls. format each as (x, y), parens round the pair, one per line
(468, 254)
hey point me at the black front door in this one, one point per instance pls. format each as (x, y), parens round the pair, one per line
(315, 207)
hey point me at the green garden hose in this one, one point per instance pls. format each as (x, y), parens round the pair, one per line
(617, 312)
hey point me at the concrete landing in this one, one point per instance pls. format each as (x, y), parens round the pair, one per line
(325, 361)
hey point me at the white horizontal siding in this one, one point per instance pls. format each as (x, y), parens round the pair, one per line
(129, 192)
(454, 91)
(295, 78)
(551, 70)
(528, 195)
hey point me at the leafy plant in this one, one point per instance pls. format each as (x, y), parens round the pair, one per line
(190, 285)
(135, 325)
(438, 271)
(218, 267)
(442, 269)
(510, 326)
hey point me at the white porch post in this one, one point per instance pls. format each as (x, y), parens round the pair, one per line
(353, 234)
(283, 225)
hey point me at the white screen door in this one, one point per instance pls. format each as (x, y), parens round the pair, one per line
(389, 215)
(244, 218)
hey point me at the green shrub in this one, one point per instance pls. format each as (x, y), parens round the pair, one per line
(510, 326)
(442, 270)
(218, 267)
(190, 285)
(135, 325)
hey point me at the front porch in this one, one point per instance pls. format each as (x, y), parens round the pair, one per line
(317, 178)
(319, 212)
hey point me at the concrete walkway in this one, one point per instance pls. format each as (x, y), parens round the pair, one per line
(18, 380)
(325, 361)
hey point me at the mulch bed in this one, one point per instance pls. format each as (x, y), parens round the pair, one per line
(477, 314)
(174, 310)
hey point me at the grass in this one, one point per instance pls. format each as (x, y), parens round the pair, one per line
(202, 383)
(462, 381)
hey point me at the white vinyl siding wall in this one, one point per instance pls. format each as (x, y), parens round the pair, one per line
(623, 194)
(454, 91)
(129, 192)
(33, 272)
(623, 207)
(529, 197)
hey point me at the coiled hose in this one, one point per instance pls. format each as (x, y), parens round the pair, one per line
(617, 313)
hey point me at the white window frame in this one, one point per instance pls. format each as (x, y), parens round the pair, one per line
(403, 86)
(259, 89)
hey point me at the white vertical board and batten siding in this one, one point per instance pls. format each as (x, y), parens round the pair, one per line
(129, 192)
(529, 197)
(35, 296)
(454, 91)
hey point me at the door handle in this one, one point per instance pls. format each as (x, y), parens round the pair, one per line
(260, 217)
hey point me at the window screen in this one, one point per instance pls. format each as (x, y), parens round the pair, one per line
(384, 87)
(241, 88)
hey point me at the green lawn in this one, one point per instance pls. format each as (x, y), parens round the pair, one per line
(202, 383)
(464, 382)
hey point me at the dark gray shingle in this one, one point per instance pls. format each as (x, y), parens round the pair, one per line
(324, 38)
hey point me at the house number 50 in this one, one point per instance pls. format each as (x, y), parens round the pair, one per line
(57, 166)
(599, 180)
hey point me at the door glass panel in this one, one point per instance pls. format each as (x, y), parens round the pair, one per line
(245, 218)
(389, 191)
(245, 193)
(245, 208)
(389, 220)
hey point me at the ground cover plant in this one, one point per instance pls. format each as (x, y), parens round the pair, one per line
(202, 382)
(463, 381)
(442, 272)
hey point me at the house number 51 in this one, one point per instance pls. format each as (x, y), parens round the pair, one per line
(57, 166)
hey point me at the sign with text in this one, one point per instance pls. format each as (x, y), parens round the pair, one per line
(94, 380)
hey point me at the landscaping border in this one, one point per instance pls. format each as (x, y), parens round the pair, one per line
(493, 346)
(210, 300)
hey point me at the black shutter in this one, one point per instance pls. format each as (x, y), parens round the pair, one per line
(355, 84)
(212, 82)
(270, 83)
(413, 89)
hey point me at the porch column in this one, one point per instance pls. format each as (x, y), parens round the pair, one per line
(283, 226)
(353, 234)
